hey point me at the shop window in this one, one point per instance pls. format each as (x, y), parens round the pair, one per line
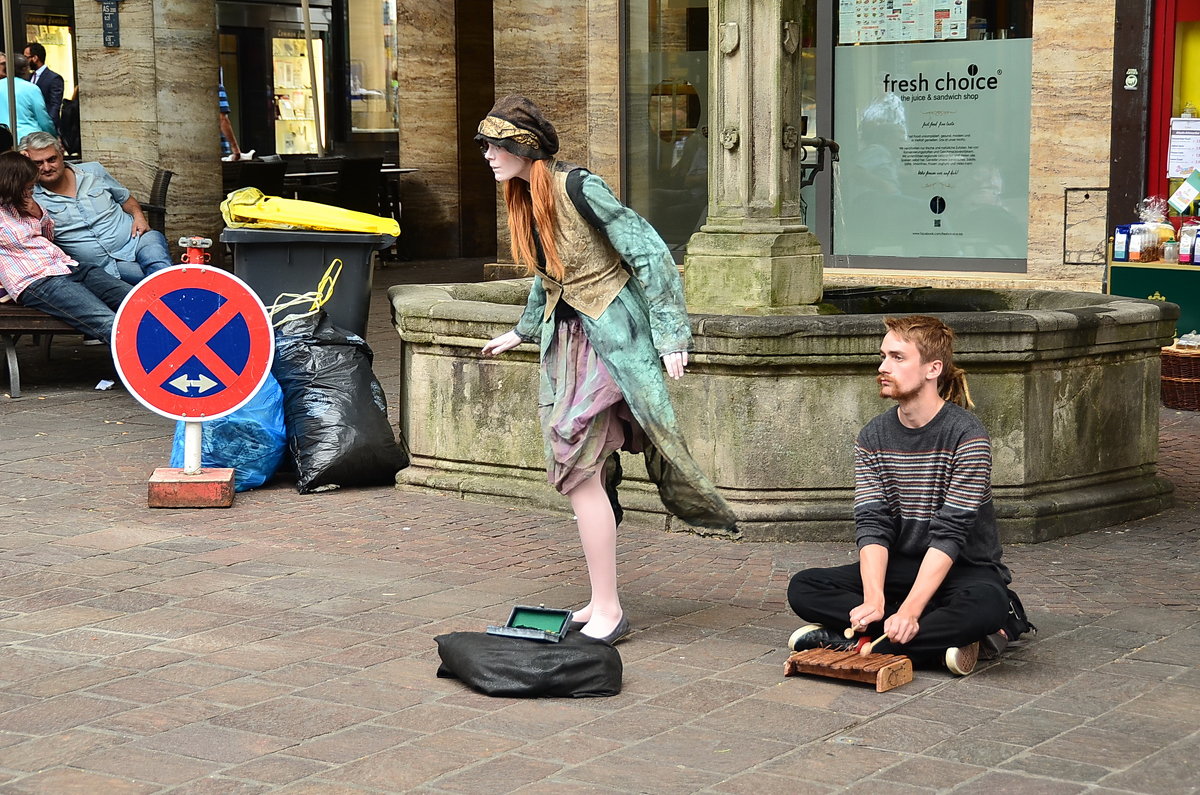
(53, 31)
(373, 78)
(931, 107)
(929, 100)
(666, 115)
(300, 110)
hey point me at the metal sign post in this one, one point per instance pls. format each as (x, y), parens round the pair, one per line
(192, 343)
(193, 433)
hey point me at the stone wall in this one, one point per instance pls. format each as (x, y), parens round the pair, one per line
(1066, 383)
(566, 57)
(428, 129)
(152, 102)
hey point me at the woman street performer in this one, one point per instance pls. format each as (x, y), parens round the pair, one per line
(607, 311)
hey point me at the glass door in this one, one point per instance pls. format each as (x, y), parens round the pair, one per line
(53, 32)
(296, 115)
(666, 127)
(374, 83)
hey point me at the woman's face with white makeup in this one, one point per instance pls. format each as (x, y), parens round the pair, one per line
(505, 165)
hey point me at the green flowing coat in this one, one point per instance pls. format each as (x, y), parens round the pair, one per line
(647, 320)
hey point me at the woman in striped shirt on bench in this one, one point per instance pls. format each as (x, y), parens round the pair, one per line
(36, 273)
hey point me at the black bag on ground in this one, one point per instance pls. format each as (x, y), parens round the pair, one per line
(335, 409)
(1017, 623)
(575, 667)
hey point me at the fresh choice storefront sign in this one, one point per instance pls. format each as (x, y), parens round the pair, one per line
(934, 154)
(973, 81)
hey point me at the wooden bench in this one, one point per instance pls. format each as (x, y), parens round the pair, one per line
(16, 320)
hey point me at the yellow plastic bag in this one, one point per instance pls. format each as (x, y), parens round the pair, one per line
(250, 208)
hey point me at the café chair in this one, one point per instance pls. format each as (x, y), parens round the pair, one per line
(267, 176)
(353, 187)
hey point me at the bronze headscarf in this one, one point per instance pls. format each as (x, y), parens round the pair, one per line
(517, 125)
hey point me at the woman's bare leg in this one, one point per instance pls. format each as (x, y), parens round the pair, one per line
(598, 535)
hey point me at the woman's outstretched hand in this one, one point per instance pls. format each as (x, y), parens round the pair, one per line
(675, 362)
(501, 344)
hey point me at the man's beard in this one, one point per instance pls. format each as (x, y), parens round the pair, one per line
(896, 395)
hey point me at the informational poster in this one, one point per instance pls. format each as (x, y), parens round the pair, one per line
(882, 21)
(1183, 153)
(934, 149)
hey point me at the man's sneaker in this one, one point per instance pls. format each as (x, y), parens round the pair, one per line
(961, 659)
(815, 636)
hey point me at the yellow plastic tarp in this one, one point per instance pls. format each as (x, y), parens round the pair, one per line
(250, 208)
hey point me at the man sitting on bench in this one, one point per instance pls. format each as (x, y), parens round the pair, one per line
(37, 273)
(96, 220)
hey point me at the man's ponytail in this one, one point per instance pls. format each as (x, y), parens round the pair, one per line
(953, 387)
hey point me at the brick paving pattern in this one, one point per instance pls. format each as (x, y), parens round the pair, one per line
(286, 645)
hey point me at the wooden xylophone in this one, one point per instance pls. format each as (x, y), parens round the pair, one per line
(885, 671)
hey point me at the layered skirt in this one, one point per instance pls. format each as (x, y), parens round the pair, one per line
(584, 415)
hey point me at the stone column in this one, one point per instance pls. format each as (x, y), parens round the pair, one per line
(754, 255)
(152, 102)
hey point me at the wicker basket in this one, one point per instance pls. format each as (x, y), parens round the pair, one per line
(1181, 378)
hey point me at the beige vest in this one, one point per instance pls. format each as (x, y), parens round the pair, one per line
(593, 271)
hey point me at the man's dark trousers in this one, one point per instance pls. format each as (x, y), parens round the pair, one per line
(971, 603)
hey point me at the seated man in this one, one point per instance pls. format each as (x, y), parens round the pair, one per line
(36, 272)
(96, 220)
(929, 573)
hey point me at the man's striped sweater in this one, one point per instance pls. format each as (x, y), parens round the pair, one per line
(916, 488)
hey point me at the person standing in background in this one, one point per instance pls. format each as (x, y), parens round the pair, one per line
(229, 145)
(50, 82)
(31, 106)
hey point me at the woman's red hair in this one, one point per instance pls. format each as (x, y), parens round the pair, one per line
(529, 204)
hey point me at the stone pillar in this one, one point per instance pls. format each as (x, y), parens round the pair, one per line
(152, 102)
(754, 255)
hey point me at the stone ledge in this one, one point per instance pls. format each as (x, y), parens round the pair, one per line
(1067, 384)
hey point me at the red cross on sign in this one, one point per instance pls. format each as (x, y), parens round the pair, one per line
(193, 342)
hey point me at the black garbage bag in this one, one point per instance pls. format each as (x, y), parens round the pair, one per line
(335, 409)
(576, 667)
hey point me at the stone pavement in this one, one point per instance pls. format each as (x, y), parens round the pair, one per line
(286, 644)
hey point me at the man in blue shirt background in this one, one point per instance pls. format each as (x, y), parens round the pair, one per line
(229, 144)
(31, 105)
(96, 219)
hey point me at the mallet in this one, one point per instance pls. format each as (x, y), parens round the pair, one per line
(870, 647)
(848, 633)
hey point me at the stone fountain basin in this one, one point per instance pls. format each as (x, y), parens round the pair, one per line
(1066, 382)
